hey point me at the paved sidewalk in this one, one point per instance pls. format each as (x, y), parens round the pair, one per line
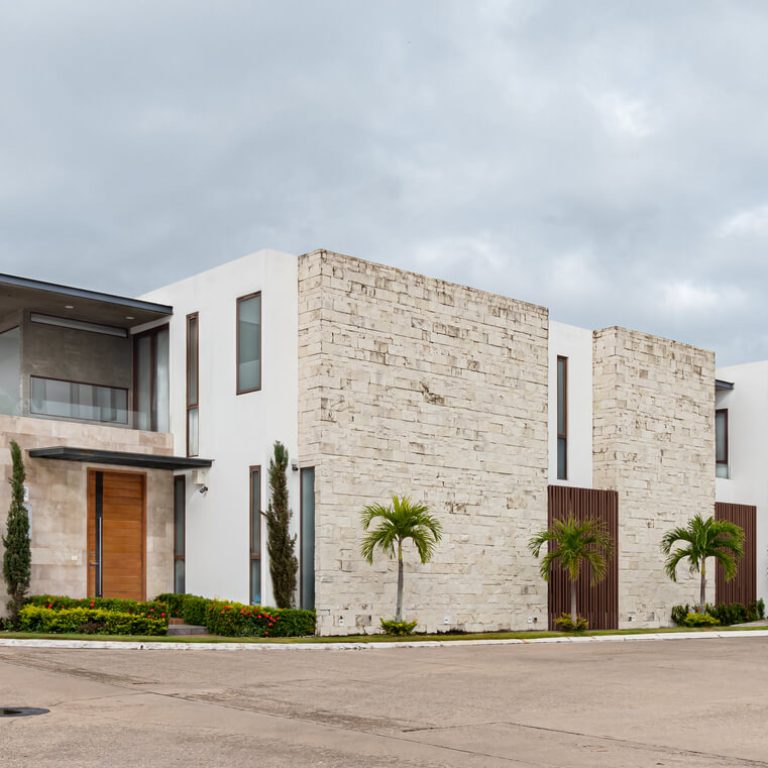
(357, 646)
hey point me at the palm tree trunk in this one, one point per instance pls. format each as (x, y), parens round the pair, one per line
(574, 616)
(399, 611)
(703, 590)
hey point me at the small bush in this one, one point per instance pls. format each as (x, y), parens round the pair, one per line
(151, 609)
(392, 627)
(194, 609)
(92, 621)
(679, 612)
(230, 619)
(174, 603)
(695, 619)
(566, 624)
(726, 614)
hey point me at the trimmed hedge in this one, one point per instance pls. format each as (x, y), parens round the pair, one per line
(191, 608)
(173, 602)
(231, 619)
(237, 620)
(152, 609)
(89, 621)
(727, 614)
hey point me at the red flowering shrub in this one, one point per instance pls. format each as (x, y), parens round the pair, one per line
(237, 620)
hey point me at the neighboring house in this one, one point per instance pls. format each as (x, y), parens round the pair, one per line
(152, 474)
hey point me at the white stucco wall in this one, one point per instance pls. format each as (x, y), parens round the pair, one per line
(575, 344)
(236, 431)
(747, 405)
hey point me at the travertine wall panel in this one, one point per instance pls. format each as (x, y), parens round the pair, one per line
(58, 502)
(654, 402)
(410, 385)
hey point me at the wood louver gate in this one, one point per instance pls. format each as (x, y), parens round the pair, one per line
(743, 587)
(599, 603)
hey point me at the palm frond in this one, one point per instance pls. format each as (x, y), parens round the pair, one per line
(400, 521)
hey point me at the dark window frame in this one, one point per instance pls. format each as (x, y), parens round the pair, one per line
(724, 462)
(253, 555)
(562, 435)
(152, 332)
(193, 317)
(238, 389)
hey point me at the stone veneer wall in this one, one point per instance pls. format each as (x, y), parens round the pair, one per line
(58, 502)
(411, 385)
(654, 443)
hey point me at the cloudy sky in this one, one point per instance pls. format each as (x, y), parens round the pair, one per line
(606, 159)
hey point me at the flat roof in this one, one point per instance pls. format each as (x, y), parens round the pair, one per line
(17, 293)
(119, 458)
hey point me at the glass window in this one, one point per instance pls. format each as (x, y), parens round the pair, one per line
(179, 534)
(255, 534)
(562, 418)
(10, 372)
(73, 400)
(193, 432)
(721, 443)
(308, 537)
(249, 343)
(151, 380)
(193, 385)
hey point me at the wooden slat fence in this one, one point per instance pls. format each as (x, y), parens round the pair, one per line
(743, 587)
(599, 603)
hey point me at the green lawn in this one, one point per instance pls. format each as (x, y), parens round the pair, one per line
(362, 638)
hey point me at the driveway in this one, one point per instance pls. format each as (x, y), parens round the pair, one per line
(624, 705)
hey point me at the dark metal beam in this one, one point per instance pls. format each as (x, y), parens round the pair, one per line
(119, 458)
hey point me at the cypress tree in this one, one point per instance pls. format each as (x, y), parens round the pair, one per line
(17, 556)
(281, 546)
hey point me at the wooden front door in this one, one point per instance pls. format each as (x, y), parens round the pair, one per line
(116, 534)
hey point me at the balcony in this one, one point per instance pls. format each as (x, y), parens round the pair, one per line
(75, 355)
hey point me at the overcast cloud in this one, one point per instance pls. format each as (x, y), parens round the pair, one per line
(606, 159)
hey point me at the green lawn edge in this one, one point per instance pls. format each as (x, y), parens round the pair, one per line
(368, 638)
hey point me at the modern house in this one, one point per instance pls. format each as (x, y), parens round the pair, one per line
(148, 426)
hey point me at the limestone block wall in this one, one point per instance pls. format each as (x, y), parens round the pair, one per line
(58, 502)
(654, 443)
(410, 385)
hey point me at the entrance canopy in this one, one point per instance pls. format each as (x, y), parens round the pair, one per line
(119, 458)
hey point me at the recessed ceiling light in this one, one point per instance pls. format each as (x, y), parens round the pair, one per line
(68, 306)
(129, 317)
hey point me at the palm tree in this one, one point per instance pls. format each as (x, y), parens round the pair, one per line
(400, 521)
(703, 539)
(574, 542)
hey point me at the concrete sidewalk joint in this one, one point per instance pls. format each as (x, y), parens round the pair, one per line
(113, 645)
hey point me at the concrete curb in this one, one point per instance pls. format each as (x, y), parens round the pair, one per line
(111, 645)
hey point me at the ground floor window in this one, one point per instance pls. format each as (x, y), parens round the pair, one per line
(255, 535)
(308, 537)
(179, 534)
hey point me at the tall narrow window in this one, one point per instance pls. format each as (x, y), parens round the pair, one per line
(151, 394)
(308, 537)
(562, 418)
(193, 385)
(255, 535)
(721, 443)
(249, 343)
(10, 372)
(179, 534)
